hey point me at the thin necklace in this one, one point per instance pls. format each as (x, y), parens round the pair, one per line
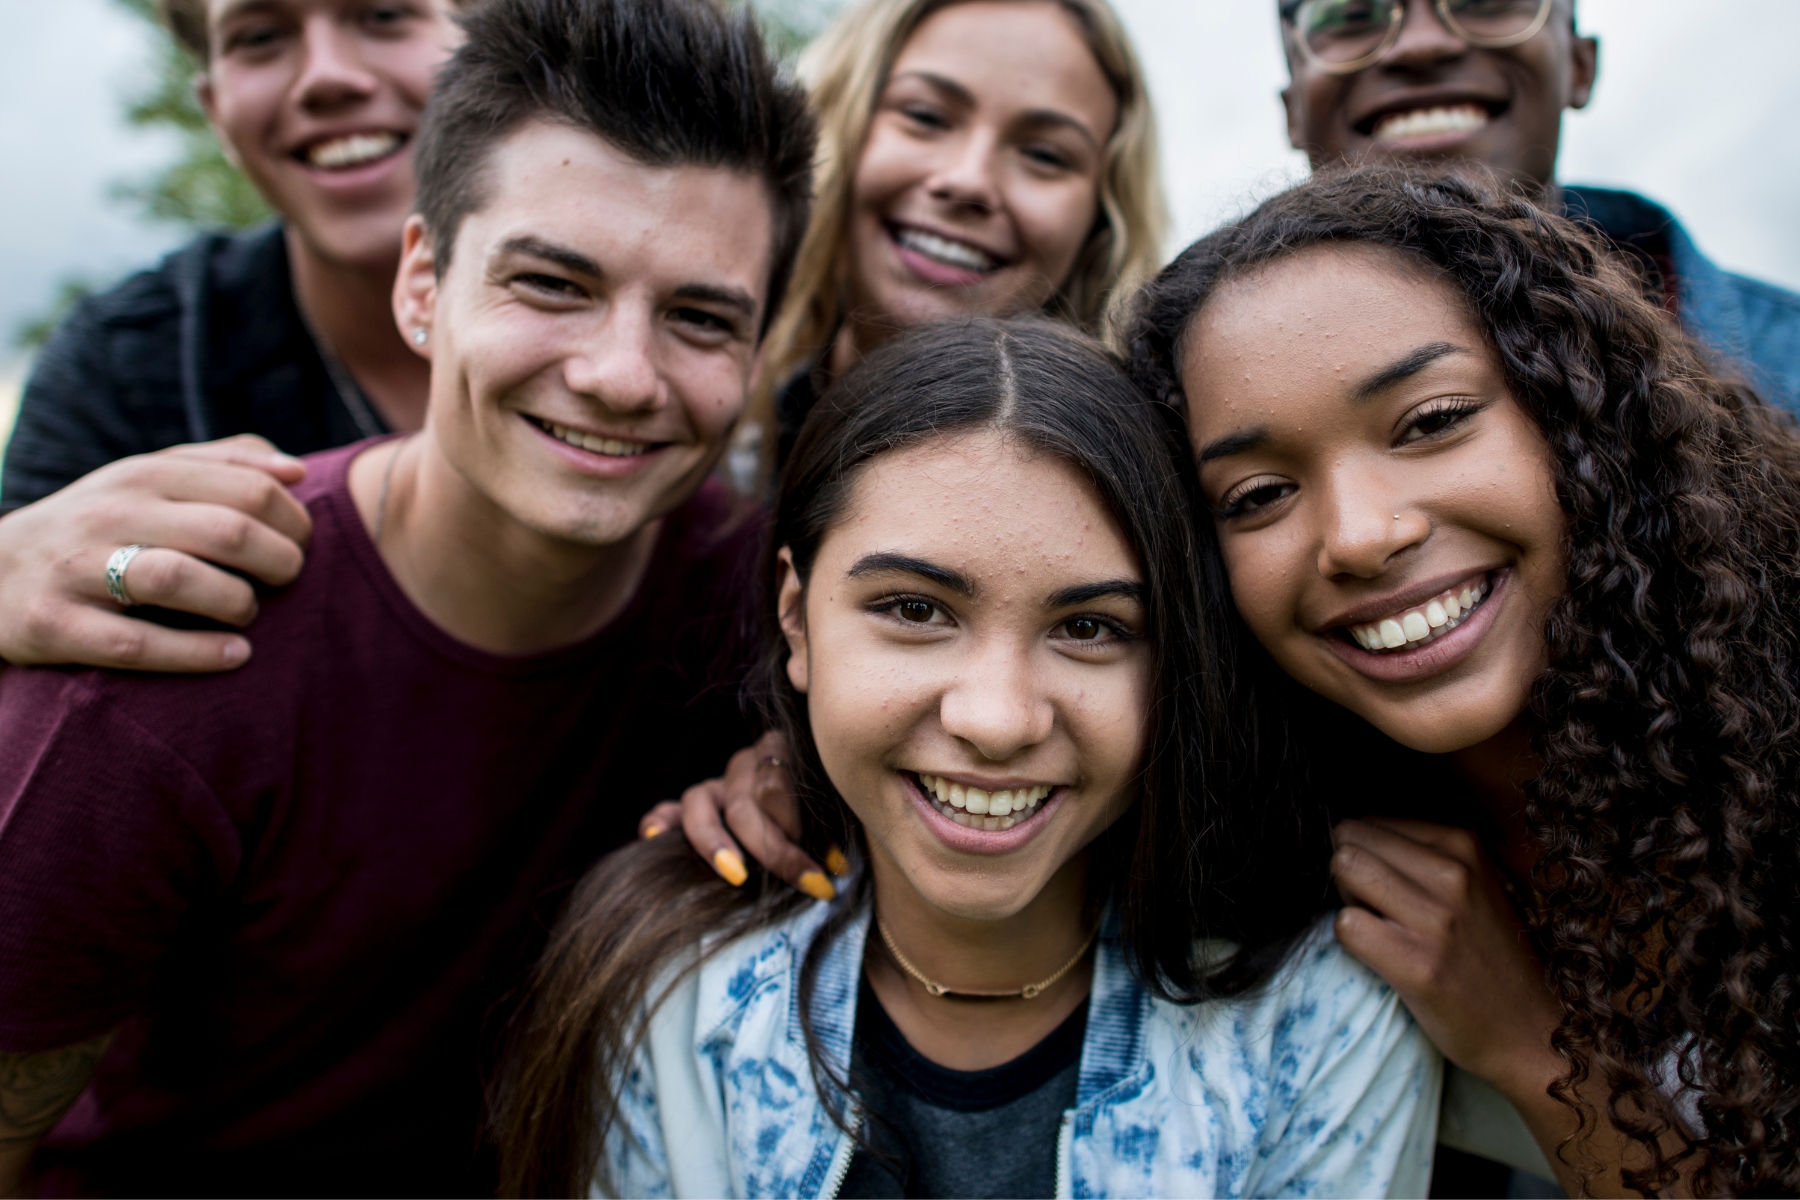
(348, 393)
(1030, 991)
(387, 477)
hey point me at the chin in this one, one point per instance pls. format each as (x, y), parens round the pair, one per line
(1432, 727)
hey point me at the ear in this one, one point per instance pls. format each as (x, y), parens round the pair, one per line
(1583, 70)
(790, 605)
(415, 287)
(1289, 103)
(208, 97)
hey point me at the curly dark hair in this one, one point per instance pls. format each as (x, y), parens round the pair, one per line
(1668, 721)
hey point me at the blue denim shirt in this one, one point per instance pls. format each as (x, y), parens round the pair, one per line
(1319, 1084)
(1750, 324)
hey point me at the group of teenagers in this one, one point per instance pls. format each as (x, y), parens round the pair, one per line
(1318, 717)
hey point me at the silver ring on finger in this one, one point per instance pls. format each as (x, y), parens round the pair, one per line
(771, 760)
(115, 573)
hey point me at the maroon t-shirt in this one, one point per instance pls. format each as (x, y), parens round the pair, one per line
(306, 888)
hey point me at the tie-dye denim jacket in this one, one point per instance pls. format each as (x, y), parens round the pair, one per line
(1319, 1084)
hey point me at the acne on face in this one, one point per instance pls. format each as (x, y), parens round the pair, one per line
(594, 334)
(1354, 518)
(977, 185)
(942, 671)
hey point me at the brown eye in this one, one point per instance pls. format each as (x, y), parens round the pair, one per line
(1084, 629)
(917, 611)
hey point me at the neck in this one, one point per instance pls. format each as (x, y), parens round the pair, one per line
(350, 307)
(1498, 770)
(474, 570)
(978, 956)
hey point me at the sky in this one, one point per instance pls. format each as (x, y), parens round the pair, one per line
(1696, 111)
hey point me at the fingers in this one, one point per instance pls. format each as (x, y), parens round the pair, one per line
(246, 449)
(660, 819)
(701, 807)
(1457, 842)
(706, 811)
(1368, 879)
(170, 579)
(218, 534)
(1449, 868)
(758, 775)
(101, 639)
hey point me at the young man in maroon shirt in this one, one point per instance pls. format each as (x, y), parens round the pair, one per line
(270, 914)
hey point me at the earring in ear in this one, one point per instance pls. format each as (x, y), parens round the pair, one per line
(419, 335)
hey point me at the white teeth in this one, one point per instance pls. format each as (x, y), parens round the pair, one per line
(1424, 122)
(978, 809)
(1416, 626)
(954, 254)
(611, 447)
(352, 150)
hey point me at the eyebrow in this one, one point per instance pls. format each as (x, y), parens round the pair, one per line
(1404, 369)
(581, 264)
(1036, 116)
(1233, 443)
(886, 562)
(1083, 593)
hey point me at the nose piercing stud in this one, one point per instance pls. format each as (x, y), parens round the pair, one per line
(419, 335)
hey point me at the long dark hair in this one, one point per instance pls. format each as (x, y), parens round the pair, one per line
(1195, 858)
(1668, 721)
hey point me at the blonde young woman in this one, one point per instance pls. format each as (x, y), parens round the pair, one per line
(977, 156)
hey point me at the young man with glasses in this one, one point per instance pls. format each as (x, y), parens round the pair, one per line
(1488, 80)
(274, 915)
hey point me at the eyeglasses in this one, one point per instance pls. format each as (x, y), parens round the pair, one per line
(1341, 37)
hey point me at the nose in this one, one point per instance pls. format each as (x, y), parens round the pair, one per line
(332, 73)
(965, 176)
(1424, 39)
(617, 366)
(1365, 526)
(997, 705)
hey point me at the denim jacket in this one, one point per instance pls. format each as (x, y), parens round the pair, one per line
(1750, 324)
(1318, 1084)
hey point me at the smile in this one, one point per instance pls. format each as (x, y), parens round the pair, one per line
(592, 442)
(974, 808)
(351, 150)
(1411, 628)
(1430, 122)
(943, 250)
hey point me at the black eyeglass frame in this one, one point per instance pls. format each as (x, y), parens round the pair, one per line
(1291, 9)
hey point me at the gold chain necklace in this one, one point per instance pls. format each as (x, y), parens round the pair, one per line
(1030, 991)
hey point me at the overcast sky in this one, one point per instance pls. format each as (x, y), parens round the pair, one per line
(1696, 107)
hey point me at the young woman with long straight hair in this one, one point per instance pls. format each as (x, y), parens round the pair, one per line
(1072, 957)
(1518, 561)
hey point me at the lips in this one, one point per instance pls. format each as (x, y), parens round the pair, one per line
(1362, 642)
(1429, 119)
(593, 443)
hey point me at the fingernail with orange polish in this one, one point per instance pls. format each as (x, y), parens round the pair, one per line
(835, 862)
(817, 886)
(651, 831)
(730, 867)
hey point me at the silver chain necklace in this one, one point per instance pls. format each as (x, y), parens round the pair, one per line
(348, 393)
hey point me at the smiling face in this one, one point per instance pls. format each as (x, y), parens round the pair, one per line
(969, 645)
(1386, 508)
(978, 183)
(594, 335)
(1435, 96)
(318, 101)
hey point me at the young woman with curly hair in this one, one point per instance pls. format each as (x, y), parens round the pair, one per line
(1473, 491)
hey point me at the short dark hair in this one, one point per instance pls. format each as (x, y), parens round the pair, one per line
(667, 82)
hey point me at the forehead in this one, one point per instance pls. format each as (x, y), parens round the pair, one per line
(696, 222)
(1029, 53)
(987, 506)
(1320, 318)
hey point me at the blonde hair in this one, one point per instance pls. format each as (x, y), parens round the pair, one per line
(845, 71)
